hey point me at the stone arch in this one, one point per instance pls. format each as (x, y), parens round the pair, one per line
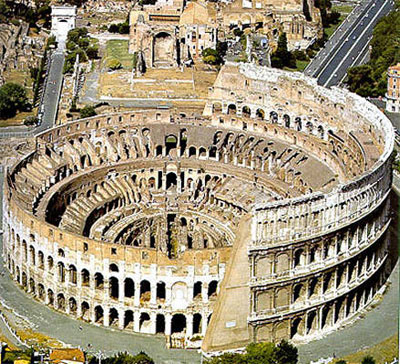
(98, 314)
(41, 292)
(171, 180)
(61, 272)
(197, 323)
(129, 286)
(85, 311)
(161, 291)
(286, 120)
(246, 111)
(260, 113)
(61, 302)
(128, 319)
(197, 289)
(192, 152)
(160, 324)
(72, 305)
(114, 287)
(178, 323)
(311, 322)
(85, 277)
(145, 323)
(163, 49)
(273, 117)
(298, 123)
(299, 293)
(297, 327)
(98, 281)
(114, 268)
(50, 297)
(113, 317)
(145, 290)
(72, 274)
(40, 260)
(231, 109)
(31, 285)
(32, 254)
(212, 289)
(171, 143)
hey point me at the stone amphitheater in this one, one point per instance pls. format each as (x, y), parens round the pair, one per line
(264, 218)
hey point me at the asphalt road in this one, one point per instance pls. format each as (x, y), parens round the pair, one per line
(49, 106)
(349, 44)
(52, 92)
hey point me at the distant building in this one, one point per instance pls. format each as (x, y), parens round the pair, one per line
(393, 89)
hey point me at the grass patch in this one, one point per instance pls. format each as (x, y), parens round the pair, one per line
(16, 120)
(331, 29)
(383, 352)
(300, 66)
(343, 9)
(118, 49)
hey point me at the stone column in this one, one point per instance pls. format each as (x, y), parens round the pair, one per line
(153, 320)
(106, 317)
(204, 292)
(189, 325)
(136, 298)
(168, 319)
(136, 321)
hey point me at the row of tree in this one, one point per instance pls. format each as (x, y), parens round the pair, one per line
(371, 79)
(79, 43)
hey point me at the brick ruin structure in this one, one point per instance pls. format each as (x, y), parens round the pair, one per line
(274, 201)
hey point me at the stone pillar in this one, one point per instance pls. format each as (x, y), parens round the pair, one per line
(136, 321)
(204, 292)
(189, 325)
(121, 319)
(136, 298)
(121, 290)
(153, 292)
(153, 320)
(168, 319)
(106, 318)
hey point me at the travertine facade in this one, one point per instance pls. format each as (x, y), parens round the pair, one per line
(276, 201)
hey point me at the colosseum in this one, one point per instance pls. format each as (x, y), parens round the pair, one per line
(265, 217)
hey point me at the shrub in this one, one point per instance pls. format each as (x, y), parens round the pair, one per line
(113, 64)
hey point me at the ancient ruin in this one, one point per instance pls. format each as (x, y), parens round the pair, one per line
(275, 201)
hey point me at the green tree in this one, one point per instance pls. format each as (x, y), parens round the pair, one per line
(12, 99)
(368, 360)
(211, 56)
(87, 112)
(282, 57)
(341, 362)
(92, 52)
(286, 353)
(385, 52)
